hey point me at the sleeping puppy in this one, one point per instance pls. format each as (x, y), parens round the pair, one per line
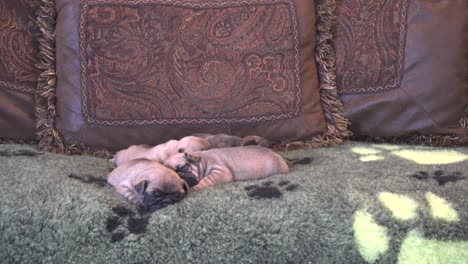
(228, 141)
(194, 143)
(216, 166)
(160, 152)
(148, 184)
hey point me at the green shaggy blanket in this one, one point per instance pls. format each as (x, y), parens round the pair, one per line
(356, 203)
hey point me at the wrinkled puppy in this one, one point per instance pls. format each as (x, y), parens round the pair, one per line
(148, 184)
(216, 166)
(160, 152)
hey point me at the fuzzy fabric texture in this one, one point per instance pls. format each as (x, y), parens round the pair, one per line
(356, 203)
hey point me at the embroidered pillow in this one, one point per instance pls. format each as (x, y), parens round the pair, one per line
(18, 74)
(402, 67)
(146, 71)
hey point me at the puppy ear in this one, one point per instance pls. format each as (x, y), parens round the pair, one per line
(140, 188)
(189, 179)
(205, 143)
(190, 157)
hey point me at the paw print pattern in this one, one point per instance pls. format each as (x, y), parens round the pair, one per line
(302, 161)
(419, 155)
(374, 239)
(439, 176)
(90, 179)
(21, 152)
(267, 190)
(134, 224)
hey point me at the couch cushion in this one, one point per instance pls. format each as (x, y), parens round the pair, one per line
(131, 72)
(18, 74)
(402, 66)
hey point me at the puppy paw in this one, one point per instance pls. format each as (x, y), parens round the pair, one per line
(268, 190)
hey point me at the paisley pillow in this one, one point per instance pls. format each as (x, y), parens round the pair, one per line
(18, 75)
(145, 71)
(402, 68)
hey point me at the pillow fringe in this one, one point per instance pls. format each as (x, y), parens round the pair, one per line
(337, 125)
(49, 138)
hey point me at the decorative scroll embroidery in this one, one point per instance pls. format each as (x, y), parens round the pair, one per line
(371, 38)
(18, 52)
(172, 62)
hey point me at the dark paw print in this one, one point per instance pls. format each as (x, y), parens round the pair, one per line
(98, 181)
(439, 176)
(269, 191)
(22, 152)
(303, 161)
(135, 224)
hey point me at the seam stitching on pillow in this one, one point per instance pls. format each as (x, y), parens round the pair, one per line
(17, 87)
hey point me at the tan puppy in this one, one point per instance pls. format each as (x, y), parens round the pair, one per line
(228, 141)
(148, 184)
(160, 152)
(216, 166)
(194, 143)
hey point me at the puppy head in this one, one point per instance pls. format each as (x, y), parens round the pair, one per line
(186, 165)
(160, 188)
(155, 199)
(130, 153)
(192, 144)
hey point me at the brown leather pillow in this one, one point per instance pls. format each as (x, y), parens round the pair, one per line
(18, 74)
(131, 72)
(402, 67)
